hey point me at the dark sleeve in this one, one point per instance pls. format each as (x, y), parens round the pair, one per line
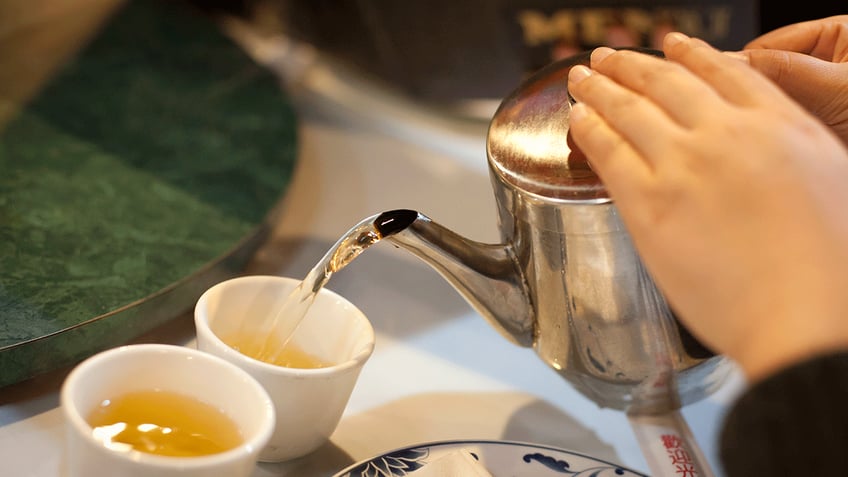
(792, 423)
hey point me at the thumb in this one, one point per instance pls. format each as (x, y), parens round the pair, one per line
(809, 80)
(817, 85)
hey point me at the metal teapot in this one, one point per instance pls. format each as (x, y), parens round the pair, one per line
(566, 279)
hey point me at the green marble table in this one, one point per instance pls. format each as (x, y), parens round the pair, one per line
(140, 175)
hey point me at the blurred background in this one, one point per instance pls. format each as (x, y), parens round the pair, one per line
(464, 56)
(461, 57)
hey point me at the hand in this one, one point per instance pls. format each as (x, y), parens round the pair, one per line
(733, 193)
(809, 61)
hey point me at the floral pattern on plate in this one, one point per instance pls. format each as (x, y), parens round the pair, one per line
(500, 458)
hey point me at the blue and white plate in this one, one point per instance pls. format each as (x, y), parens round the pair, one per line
(500, 458)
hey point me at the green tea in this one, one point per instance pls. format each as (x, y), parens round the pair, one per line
(163, 423)
(289, 356)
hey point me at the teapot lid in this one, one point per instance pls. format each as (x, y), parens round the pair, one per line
(529, 145)
(528, 142)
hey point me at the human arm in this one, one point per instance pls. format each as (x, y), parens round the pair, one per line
(733, 195)
(790, 423)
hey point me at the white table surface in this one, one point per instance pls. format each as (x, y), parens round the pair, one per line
(439, 371)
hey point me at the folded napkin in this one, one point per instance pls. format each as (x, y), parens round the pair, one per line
(459, 463)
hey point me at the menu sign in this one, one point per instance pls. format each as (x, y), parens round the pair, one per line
(547, 30)
(447, 50)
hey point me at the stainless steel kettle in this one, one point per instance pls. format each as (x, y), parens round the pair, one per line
(566, 278)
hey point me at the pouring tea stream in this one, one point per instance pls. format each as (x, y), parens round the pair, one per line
(266, 337)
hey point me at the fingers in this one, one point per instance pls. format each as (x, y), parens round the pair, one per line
(792, 71)
(801, 37)
(733, 80)
(666, 84)
(819, 38)
(622, 169)
(803, 77)
(639, 112)
(622, 110)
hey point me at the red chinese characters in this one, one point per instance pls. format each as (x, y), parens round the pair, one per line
(679, 456)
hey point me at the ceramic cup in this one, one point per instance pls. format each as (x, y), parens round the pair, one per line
(308, 402)
(177, 369)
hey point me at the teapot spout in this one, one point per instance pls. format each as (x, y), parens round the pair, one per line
(486, 275)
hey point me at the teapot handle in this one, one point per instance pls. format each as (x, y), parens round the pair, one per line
(668, 445)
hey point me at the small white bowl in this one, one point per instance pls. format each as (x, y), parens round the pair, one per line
(308, 402)
(148, 367)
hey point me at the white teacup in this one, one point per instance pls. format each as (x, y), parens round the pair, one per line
(175, 369)
(308, 402)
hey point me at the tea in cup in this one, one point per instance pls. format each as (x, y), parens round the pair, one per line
(153, 409)
(311, 381)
